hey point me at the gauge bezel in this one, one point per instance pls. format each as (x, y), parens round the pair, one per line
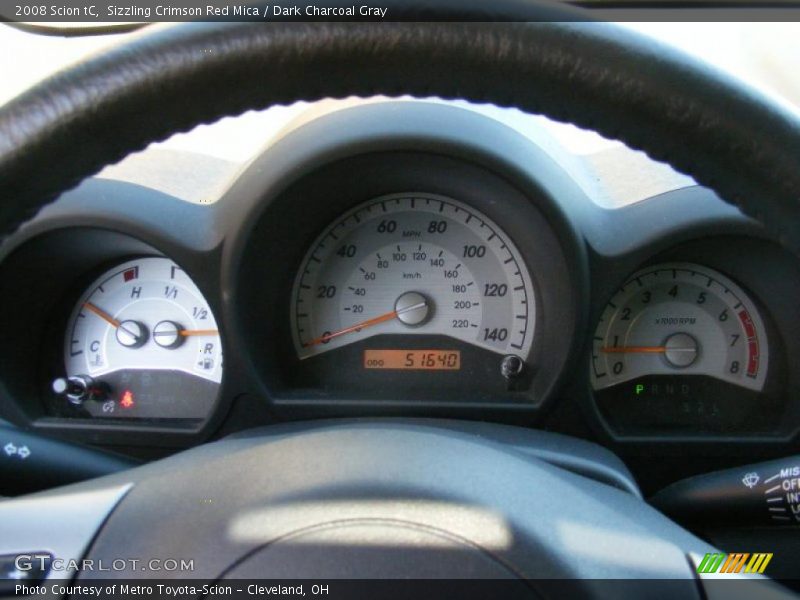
(117, 250)
(390, 205)
(737, 257)
(329, 191)
(210, 384)
(757, 352)
(735, 406)
(85, 252)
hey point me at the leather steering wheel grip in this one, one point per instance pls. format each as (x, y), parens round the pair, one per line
(599, 76)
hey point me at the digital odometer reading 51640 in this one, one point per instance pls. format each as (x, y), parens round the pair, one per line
(429, 360)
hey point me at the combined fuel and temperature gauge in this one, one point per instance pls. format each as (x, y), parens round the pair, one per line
(142, 342)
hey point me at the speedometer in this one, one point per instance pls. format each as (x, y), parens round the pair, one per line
(414, 264)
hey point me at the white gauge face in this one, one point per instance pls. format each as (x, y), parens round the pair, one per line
(143, 315)
(680, 319)
(413, 264)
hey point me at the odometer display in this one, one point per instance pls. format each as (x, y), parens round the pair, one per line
(428, 360)
(413, 264)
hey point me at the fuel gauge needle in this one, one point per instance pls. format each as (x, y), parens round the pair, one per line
(190, 332)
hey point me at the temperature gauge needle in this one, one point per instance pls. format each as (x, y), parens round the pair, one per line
(364, 324)
(130, 334)
(102, 314)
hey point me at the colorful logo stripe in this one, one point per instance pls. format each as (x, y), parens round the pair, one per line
(733, 563)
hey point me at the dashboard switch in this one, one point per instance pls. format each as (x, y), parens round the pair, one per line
(762, 494)
(30, 462)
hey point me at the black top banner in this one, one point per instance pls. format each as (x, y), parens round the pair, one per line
(97, 12)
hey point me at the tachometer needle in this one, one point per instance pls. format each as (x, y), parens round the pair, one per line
(645, 349)
(364, 324)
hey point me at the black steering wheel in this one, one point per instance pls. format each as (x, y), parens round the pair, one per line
(387, 498)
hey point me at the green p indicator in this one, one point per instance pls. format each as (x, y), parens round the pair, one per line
(639, 388)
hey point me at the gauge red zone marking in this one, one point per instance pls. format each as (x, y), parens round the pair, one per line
(752, 343)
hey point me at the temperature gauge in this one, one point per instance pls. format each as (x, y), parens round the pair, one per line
(142, 342)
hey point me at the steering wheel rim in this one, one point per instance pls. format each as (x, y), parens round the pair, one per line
(598, 76)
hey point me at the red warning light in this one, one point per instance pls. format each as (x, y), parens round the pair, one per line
(127, 399)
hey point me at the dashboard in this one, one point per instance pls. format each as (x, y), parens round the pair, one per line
(403, 258)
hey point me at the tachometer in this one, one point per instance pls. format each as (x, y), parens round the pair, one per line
(142, 342)
(677, 344)
(414, 264)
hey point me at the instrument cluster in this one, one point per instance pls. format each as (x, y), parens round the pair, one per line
(403, 280)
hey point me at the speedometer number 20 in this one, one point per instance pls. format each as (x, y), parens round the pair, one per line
(413, 264)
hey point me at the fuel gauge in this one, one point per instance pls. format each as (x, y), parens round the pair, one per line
(142, 342)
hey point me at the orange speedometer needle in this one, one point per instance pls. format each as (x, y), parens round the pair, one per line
(102, 314)
(634, 349)
(364, 324)
(188, 332)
